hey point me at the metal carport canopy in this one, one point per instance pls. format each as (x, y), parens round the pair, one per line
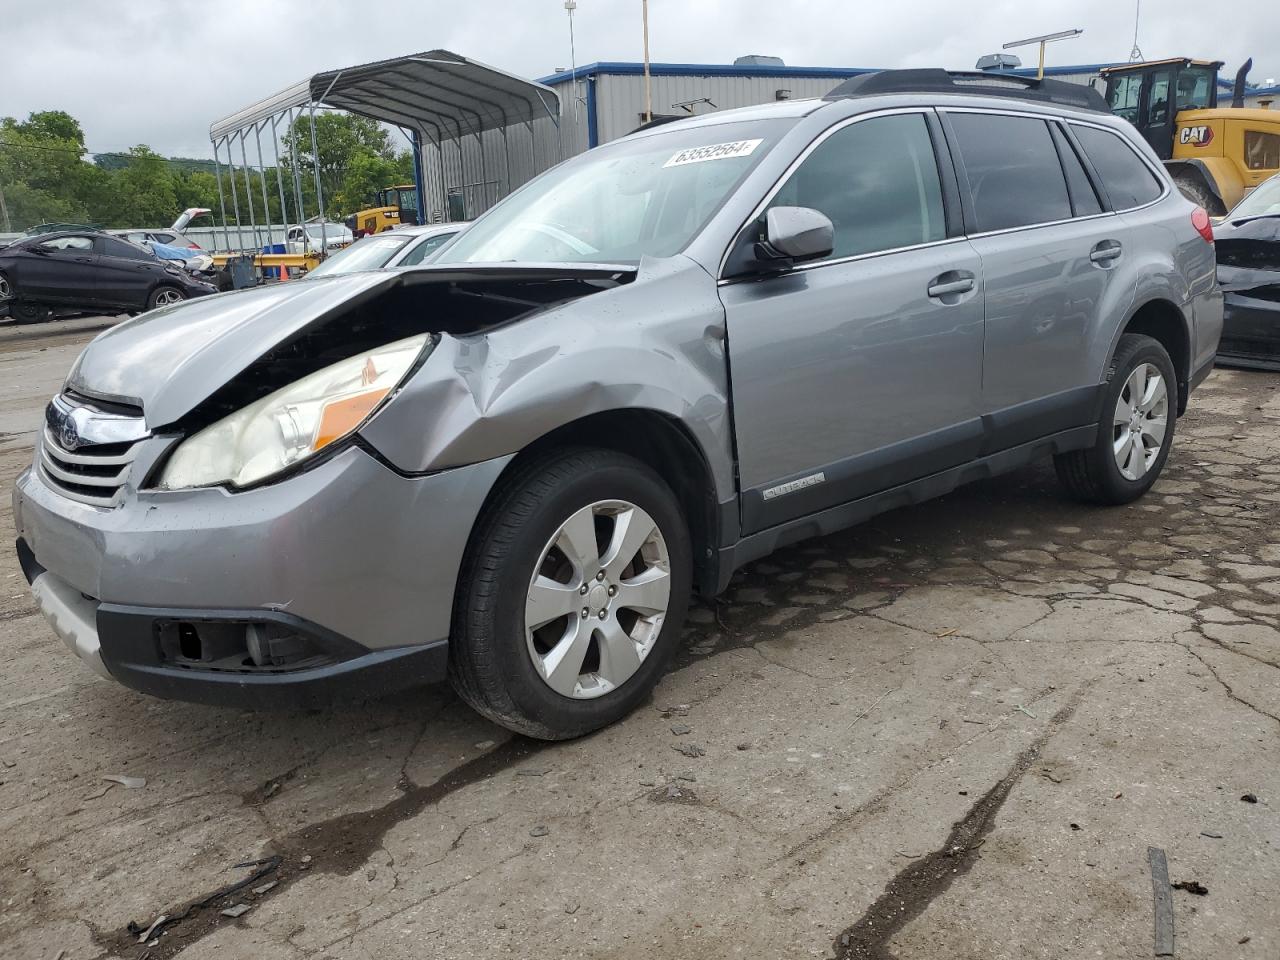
(458, 95)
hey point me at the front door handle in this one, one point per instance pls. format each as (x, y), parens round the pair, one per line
(953, 281)
(1106, 252)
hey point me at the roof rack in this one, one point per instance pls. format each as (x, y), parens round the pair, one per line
(933, 80)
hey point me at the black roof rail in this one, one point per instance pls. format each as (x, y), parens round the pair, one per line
(934, 80)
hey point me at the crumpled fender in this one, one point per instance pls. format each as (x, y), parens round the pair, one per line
(654, 344)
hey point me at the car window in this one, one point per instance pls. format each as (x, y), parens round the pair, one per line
(369, 253)
(424, 250)
(136, 237)
(1084, 199)
(1264, 201)
(1126, 178)
(1195, 88)
(161, 237)
(877, 180)
(115, 247)
(68, 243)
(1014, 174)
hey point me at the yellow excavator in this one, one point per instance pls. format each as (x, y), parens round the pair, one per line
(392, 207)
(1215, 154)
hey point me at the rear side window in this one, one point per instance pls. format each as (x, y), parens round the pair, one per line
(119, 248)
(877, 180)
(1083, 198)
(1127, 179)
(1014, 174)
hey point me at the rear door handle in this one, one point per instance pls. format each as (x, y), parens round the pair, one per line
(1106, 251)
(953, 281)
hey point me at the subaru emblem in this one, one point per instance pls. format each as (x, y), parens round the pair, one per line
(68, 436)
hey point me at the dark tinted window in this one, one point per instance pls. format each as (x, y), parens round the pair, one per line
(1083, 198)
(1013, 169)
(878, 182)
(1128, 181)
(112, 247)
(424, 250)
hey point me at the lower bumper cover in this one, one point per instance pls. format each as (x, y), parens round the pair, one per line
(1250, 332)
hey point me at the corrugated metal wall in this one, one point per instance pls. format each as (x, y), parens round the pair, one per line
(620, 98)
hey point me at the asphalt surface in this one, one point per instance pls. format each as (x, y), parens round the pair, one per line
(950, 733)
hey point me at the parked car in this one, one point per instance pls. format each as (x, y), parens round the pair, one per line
(1248, 248)
(88, 270)
(171, 235)
(312, 236)
(662, 359)
(402, 247)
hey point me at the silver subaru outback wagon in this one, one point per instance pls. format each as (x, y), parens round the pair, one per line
(657, 362)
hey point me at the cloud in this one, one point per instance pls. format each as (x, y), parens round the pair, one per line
(159, 73)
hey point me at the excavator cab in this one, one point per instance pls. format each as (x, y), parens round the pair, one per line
(393, 207)
(1151, 95)
(404, 199)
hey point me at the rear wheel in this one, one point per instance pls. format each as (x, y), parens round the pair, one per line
(1135, 430)
(28, 311)
(572, 596)
(165, 296)
(6, 288)
(1197, 191)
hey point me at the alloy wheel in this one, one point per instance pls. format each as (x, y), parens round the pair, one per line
(169, 296)
(6, 291)
(1140, 422)
(597, 599)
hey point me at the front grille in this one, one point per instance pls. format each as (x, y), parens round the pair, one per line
(92, 474)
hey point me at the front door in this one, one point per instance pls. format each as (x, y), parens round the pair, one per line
(60, 270)
(861, 371)
(127, 272)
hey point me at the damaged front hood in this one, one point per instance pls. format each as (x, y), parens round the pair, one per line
(170, 360)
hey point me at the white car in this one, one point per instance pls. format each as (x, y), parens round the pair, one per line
(401, 247)
(316, 236)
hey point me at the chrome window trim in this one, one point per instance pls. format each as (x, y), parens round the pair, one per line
(778, 184)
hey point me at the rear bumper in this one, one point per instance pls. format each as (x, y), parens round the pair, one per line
(1250, 332)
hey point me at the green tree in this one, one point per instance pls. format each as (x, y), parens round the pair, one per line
(357, 159)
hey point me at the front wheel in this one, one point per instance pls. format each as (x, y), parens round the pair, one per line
(165, 296)
(1135, 431)
(572, 595)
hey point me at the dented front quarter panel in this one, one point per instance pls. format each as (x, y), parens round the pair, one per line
(656, 344)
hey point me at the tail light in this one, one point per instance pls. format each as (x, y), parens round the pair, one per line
(1200, 220)
(193, 246)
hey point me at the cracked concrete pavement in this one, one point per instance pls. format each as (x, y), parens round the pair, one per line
(952, 732)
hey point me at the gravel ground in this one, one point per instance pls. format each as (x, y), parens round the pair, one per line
(950, 733)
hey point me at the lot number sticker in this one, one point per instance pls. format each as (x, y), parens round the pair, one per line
(715, 151)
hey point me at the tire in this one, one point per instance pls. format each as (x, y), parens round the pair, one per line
(165, 295)
(6, 289)
(1111, 471)
(507, 672)
(28, 311)
(1198, 192)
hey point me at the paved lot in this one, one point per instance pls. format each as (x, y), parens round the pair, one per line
(950, 733)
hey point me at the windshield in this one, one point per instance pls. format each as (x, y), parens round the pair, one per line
(367, 254)
(647, 196)
(1263, 202)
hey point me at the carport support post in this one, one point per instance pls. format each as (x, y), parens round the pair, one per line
(315, 166)
(299, 207)
(222, 202)
(419, 183)
(235, 195)
(262, 175)
(284, 207)
(248, 195)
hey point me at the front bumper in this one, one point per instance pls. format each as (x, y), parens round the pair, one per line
(355, 560)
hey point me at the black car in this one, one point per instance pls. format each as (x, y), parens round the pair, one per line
(87, 270)
(1248, 251)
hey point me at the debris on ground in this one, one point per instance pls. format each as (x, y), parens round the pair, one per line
(539, 831)
(1021, 709)
(129, 783)
(146, 934)
(533, 771)
(264, 866)
(689, 749)
(571, 908)
(1211, 836)
(238, 910)
(1192, 886)
(259, 891)
(1163, 898)
(680, 729)
(1249, 798)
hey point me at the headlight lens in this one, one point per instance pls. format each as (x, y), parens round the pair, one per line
(293, 423)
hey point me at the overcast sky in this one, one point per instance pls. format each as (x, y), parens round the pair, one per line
(108, 63)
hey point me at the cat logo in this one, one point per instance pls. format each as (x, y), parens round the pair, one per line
(1196, 136)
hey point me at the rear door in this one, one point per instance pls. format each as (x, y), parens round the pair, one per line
(861, 371)
(1049, 254)
(127, 272)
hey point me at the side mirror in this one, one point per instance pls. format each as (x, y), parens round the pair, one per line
(795, 234)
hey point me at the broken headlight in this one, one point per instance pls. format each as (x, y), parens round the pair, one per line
(294, 423)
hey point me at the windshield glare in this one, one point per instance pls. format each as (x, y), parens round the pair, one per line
(647, 196)
(367, 254)
(1263, 202)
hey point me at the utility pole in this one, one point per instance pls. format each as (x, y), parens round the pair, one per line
(570, 6)
(4, 213)
(648, 94)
